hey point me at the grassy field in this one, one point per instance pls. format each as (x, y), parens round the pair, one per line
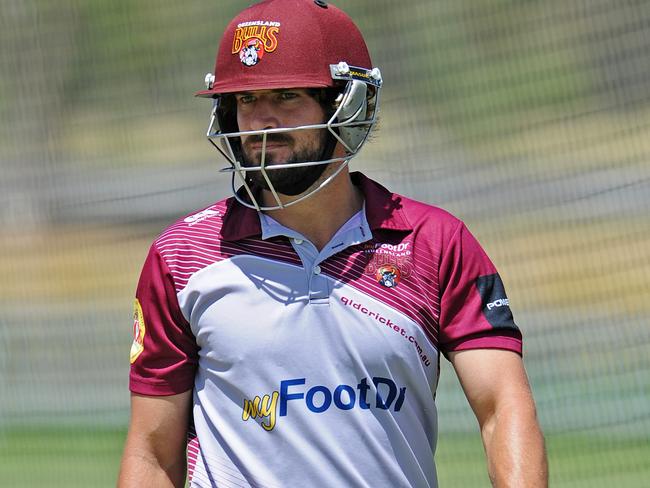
(575, 461)
(60, 457)
(90, 458)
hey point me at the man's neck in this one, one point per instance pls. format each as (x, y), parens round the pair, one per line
(321, 215)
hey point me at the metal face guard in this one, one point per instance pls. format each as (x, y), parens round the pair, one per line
(350, 124)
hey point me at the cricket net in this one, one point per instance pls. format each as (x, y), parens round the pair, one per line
(528, 120)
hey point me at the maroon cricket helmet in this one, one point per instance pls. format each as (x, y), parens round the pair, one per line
(285, 44)
(278, 44)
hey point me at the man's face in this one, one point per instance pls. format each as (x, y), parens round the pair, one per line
(271, 109)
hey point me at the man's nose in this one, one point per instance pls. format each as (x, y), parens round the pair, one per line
(264, 116)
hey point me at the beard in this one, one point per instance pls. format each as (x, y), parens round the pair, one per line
(287, 181)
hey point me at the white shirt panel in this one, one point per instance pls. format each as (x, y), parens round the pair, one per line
(326, 365)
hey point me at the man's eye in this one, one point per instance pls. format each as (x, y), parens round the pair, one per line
(244, 99)
(288, 95)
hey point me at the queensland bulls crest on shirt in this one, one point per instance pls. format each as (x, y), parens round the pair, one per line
(388, 275)
(388, 263)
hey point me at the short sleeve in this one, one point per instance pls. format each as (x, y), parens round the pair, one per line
(164, 354)
(474, 309)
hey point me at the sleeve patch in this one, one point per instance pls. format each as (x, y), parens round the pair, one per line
(139, 331)
(496, 308)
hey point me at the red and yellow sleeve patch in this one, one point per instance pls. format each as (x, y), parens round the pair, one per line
(138, 331)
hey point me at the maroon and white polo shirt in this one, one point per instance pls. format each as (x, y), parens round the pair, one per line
(314, 367)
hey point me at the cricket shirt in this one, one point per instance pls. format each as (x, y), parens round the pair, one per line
(308, 367)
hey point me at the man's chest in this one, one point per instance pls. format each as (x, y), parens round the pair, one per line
(258, 311)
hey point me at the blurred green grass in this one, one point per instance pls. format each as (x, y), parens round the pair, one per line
(60, 457)
(575, 461)
(83, 457)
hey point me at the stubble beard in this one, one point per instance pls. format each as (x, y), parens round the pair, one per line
(287, 181)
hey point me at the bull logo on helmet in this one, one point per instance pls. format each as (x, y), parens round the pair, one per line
(252, 52)
(388, 276)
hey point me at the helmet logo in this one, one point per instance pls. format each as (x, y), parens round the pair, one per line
(388, 276)
(252, 40)
(252, 52)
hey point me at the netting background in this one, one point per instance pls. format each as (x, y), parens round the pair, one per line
(527, 119)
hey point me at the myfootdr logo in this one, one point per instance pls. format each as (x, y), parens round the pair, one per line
(385, 395)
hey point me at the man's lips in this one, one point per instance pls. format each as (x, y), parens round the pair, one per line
(257, 146)
(273, 141)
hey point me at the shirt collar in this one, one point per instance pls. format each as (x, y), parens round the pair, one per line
(358, 222)
(383, 211)
(383, 208)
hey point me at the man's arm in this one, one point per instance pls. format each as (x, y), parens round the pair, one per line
(497, 389)
(154, 454)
